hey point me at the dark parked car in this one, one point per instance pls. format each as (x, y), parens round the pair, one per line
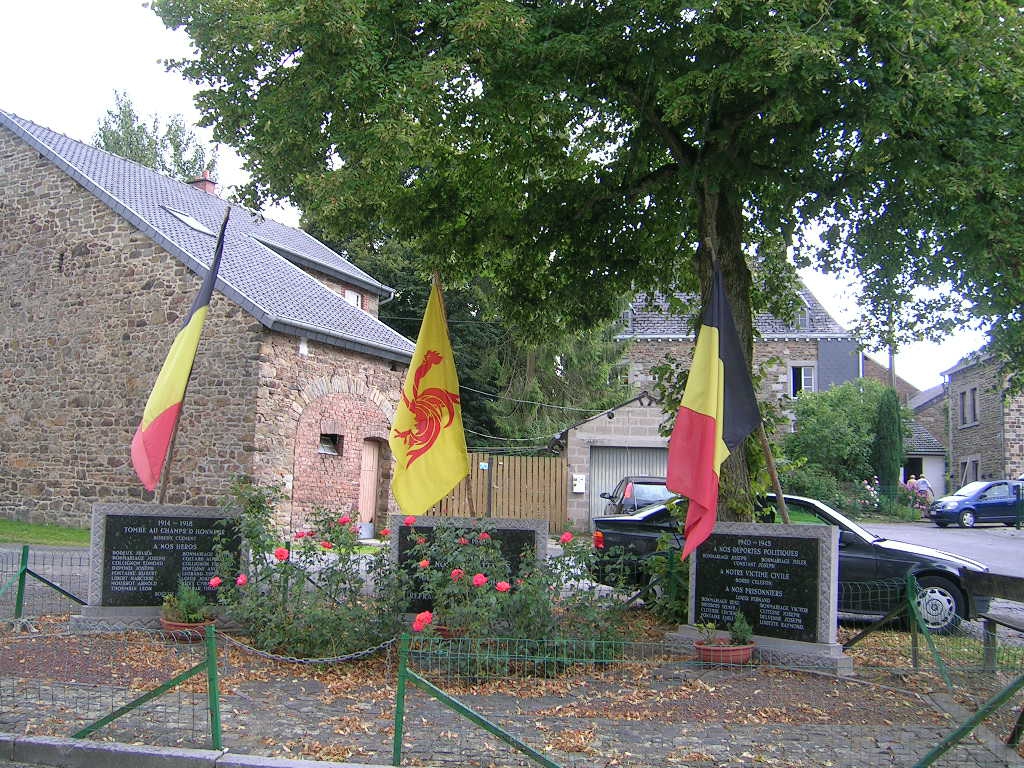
(863, 558)
(635, 491)
(978, 502)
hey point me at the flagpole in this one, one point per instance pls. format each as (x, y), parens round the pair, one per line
(165, 474)
(773, 472)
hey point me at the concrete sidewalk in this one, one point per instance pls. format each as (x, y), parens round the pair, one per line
(32, 751)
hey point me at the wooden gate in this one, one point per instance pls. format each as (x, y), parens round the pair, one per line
(512, 486)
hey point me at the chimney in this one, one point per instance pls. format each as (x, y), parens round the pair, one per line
(205, 183)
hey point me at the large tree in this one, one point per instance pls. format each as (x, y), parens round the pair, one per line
(574, 151)
(172, 148)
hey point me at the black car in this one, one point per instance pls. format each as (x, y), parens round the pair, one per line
(635, 491)
(863, 558)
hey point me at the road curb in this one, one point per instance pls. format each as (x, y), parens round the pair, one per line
(63, 752)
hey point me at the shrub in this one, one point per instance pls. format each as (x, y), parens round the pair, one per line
(477, 593)
(307, 595)
(815, 482)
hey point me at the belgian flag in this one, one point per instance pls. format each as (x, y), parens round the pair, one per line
(153, 437)
(718, 411)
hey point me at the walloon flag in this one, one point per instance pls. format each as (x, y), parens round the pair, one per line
(156, 430)
(427, 438)
(718, 411)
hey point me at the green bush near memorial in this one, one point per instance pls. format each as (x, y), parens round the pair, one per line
(305, 595)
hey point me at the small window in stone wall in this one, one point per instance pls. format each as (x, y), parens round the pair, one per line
(331, 444)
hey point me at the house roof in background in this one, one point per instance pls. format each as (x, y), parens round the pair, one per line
(923, 442)
(260, 270)
(652, 320)
(926, 396)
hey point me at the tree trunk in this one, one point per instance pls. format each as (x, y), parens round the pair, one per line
(721, 240)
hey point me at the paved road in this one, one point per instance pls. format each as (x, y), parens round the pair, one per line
(998, 547)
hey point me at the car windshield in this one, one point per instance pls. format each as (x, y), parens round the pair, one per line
(971, 488)
(646, 493)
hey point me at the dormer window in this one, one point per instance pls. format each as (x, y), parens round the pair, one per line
(189, 220)
(354, 298)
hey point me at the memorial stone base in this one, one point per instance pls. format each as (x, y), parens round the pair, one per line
(138, 553)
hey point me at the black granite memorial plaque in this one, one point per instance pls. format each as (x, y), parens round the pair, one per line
(144, 556)
(773, 580)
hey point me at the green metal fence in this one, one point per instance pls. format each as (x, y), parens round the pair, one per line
(40, 582)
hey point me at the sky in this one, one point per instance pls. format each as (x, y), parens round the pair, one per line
(63, 59)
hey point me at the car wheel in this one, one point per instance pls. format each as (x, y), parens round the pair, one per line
(940, 604)
(943, 525)
(966, 519)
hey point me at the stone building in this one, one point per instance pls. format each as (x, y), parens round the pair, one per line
(985, 424)
(295, 380)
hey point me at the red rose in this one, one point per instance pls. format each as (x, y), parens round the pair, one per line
(484, 536)
(479, 580)
(457, 574)
(599, 539)
(385, 532)
(410, 520)
(463, 540)
(503, 586)
(565, 538)
(326, 545)
(281, 553)
(344, 520)
(241, 580)
(421, 540)
(216, 582)
(424, 563)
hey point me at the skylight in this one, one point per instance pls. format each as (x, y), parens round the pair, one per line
(189, 221)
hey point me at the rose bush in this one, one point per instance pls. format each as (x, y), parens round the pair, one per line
(305, 594)
(476, 591)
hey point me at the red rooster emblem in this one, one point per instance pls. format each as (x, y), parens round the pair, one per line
(428, 409)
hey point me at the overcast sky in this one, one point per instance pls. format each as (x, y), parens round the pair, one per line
(63, 59)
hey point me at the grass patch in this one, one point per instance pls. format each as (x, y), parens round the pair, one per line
(12, 531)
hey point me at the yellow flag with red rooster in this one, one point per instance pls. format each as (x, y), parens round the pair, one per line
(427, 438)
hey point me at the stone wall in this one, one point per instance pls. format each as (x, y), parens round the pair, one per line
(982, 440)
(88, 310)
(302, 396)
(645, 353)
(370, 302)
(1013, 427)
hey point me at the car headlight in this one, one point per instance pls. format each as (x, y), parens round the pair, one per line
(946, 505)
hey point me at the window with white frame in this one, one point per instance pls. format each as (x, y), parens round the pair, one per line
(354, 298)
(802, 378)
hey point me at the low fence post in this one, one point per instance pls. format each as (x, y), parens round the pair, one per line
(19, 600)
(213, 686)
(403, 661)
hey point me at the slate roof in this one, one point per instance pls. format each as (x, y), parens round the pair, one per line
(921, 441)
(259, 270)
(644, 321)
(927, 396)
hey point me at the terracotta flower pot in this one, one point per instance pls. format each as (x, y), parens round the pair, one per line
(717, 653)
(183, 631)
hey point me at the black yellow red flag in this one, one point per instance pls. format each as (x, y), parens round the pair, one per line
(717, 413)
(153, 437)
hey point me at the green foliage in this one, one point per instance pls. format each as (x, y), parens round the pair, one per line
(477, 593)
(187, 605)
(835, 429)
(306, 596)
(740, 631)
(887, 450)
(813, 481)
(172, 149)
(573, 152)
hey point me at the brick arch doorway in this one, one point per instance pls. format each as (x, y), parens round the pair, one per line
(331, 436)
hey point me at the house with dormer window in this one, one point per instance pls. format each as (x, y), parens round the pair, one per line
(295, 381)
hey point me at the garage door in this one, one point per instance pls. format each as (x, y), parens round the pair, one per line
(608, 465)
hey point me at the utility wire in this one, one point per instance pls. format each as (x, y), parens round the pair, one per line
(496, 437)
(533, 402)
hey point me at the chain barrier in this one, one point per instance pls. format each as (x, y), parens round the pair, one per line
(295, 660)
